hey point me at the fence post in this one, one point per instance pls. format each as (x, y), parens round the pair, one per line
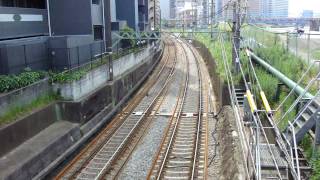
(309, 48)
(101, 50)
(25, 56)
(297, 44)
(78, 52)
(70, 65)
(287, 41)
(91, 54)
(117, 49)
(110, 67)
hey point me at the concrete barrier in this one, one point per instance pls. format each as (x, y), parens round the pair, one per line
(99, 76)
(72, 124)
(23, 96)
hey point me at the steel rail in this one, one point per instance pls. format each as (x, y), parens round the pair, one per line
(157, 109)
(113, 123)
(195, 53)
(199, 115)
(102, 172)
(176, 124)
(171, 121)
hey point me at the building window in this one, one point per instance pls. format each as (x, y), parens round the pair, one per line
(98, 32)
(95, 1)
(38, 4)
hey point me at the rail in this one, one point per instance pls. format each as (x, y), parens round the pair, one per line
(176, 124)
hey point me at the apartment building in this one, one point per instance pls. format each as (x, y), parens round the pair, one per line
(154, 14)
(61, 34)
(44, 34)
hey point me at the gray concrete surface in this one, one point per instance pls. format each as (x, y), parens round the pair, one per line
(42, 152)
(99, 76)
(23, 96)
(25, 161)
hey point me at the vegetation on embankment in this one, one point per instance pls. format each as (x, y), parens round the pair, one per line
(293, 67)
(12, 82)
(17, 112)
(281, 60)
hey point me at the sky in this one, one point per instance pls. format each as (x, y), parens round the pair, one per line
(295, 7)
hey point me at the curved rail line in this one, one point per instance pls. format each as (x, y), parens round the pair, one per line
(94, 161)
(177, 157)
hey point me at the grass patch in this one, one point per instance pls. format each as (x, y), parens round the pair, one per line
(287, 63)
(19, 111)
(316, 54)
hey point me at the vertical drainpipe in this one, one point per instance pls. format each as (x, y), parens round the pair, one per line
(49, 20)
(107, 35)
(104, 27)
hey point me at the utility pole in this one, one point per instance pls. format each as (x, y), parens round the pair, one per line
(236, 36)
(212, 16)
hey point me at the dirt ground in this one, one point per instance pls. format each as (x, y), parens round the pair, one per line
(224, 148)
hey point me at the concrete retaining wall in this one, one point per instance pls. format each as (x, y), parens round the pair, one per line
(87, 115)
(99, 76)
(220, 89)
(24, 95)
(16, 133)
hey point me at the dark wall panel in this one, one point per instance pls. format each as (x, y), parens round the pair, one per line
(126, 12)
(17, 22)
(71, 17)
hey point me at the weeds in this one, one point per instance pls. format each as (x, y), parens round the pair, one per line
(19, 111)
(288, 64)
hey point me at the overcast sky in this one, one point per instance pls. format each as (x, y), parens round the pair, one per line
(295, 7)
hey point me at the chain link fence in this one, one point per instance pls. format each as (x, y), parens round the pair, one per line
(303, 45)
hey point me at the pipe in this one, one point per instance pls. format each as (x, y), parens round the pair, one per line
(284, 79)
(49, 20)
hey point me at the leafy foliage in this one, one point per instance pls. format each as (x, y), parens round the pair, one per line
(127, 42)
(12, 82)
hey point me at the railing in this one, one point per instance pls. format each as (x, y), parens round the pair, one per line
(305, 45)
(246, 145)
(299, 98)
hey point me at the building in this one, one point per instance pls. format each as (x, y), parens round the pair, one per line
(38, 35)
(224, 10)
(274, 8)
(60, 34)
(254, 8)
(186, 17)
(172, 11)
(307, 14)
(280, 9)
(134, 12)
(154, 14)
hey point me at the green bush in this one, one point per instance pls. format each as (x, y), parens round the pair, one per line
(12, 82)
(126, 43)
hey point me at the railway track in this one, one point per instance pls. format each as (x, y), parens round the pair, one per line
(182, 154)
(98, 159)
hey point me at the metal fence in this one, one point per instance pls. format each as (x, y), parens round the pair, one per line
(304, 45)
(15, 58)
(40, 56)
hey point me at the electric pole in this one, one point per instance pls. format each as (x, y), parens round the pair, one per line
(236, 35)
(212, 16)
